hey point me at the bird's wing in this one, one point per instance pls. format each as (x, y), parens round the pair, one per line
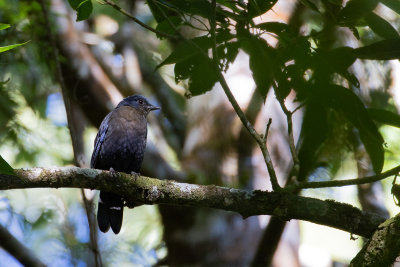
(100, 137)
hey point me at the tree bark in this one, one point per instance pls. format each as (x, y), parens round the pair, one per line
(140, 189)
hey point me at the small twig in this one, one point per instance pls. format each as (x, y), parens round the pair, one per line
(124, 12)
(292, 146)
(339, 183)
(231, 98)
(261, 142)
(299, 107)
(267, 130)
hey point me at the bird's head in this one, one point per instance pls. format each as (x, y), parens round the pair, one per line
(138, 102)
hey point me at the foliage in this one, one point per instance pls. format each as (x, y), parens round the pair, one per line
(316, 65)
(302, 63)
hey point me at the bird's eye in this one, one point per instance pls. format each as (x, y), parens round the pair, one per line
(140, 101)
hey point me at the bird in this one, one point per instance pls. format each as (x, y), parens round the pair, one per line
(119, 147)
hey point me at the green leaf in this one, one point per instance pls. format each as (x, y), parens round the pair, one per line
(192, 47)
(4, 26)
(84, 10)
(383, 50)
(314, 132)
(165, 25)
(354, 10)
(203, 76)
(258, 7)
(337, 60)
(5, 168)
(260, 62)
(227, 53)
(345, 101)
(385, 117)
(381, 26)
(188, 49)
(200, 72)
(392, 4)
(9, 47)
(74, 3)
(191, 7)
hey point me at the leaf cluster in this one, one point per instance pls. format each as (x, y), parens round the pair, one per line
(317, 71)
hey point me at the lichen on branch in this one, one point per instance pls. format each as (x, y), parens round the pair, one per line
(139, 189)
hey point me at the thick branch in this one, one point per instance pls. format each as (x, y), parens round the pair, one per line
(384, 246)
(140, 189)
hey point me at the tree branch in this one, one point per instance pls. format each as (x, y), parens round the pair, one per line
(384, 246)
(140, 189)
(24, 255)
(338, 183)
(260, 141)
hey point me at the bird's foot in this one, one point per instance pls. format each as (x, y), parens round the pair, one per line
(113, 173)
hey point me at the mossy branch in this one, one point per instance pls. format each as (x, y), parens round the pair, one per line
(140, 189)
(383, 247)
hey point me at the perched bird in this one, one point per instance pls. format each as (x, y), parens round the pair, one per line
(119, 147)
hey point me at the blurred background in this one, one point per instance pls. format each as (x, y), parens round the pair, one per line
(196, 140)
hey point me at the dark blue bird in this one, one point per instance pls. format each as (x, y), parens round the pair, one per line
(119, 146)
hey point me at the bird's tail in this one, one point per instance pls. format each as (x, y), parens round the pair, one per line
(110, 212)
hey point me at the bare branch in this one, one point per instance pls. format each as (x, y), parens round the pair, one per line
(339, 183)
(24, 255)
(295, 158)
(140, 189)
(261, 142)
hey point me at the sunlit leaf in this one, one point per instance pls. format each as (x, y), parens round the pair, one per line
(5, 168)
(381, 26)
(9, 47)
(383, 50)
(385, 117)
(4, 26)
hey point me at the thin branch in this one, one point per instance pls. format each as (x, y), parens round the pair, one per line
(238, 110)
(122, 11)
(292, 146)
(24, 255)
(140, 189)
(267, 129)
(339, 183)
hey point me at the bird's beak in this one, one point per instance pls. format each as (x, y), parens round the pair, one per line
(153, 108)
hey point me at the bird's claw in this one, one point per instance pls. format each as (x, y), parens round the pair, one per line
(113, 172)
